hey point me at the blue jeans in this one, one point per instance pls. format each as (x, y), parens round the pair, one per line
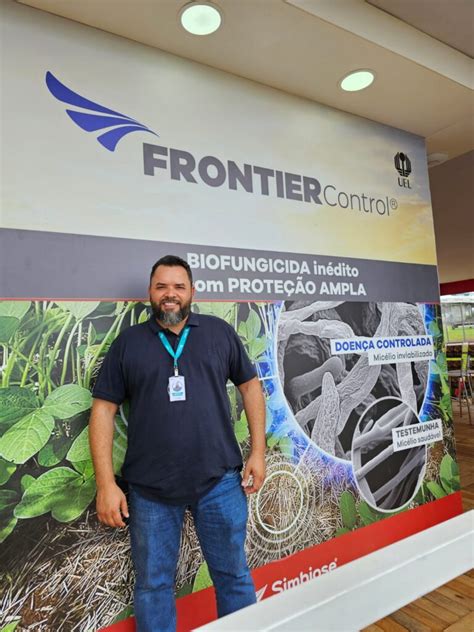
(220, 517)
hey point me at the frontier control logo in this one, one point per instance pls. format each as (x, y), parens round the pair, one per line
(215, 172)
(93, 117)
(212, 171)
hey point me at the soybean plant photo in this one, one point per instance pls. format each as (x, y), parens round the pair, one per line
(60, 569)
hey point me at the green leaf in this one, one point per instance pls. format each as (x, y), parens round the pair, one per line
(79, 309)
(202, 579)
(79, 450)
(242, 331)
(446, 485)
(70, 507)
(119, 447)
(16, 309)
(257, 347)
(285, 445)
(8, 326)
(26, 481)
(8, 498)
(81, 350)
(441, 362)
(91, 334)
(221, 309)
(86, 468)
(79, 454)
(342, 531)
(254, 325)
(436, 490)
(61, 490)
(272, 440)
(455, 484)
(144, 316)
(10, 627)
(6, 527)
(434, 329)
(446, 473)
(54, 451)
(446, 406)
(119, 305)
(45, 491)
(446, 467)
(454, 469)
(6, 470)
(241, 428)
(27, 436)
(67, 401)
(15, 403)
(366, 514)
(348, 510)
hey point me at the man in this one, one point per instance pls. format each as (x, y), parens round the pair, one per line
(182, 451)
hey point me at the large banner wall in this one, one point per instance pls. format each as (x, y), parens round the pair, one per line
(308, 229)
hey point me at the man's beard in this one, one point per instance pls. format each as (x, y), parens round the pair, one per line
(170, 318)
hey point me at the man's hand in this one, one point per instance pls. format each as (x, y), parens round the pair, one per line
(254, 470)
(111, 505)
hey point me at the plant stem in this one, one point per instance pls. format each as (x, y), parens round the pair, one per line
(114, 329)
(43, 377)
(28, 364)
(66, 353)
(57, 344)
(16, 352)
(78, 357)
(4, 364)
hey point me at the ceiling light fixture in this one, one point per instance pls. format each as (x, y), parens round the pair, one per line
(357, 80)
(437, 158)
(200, 18)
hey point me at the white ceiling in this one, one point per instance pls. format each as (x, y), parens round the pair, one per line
(305, 47)
(437, 19)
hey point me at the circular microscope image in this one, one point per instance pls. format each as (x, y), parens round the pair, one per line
(328, 393)
(386, 479)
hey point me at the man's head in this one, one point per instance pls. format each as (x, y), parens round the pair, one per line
(171, 290)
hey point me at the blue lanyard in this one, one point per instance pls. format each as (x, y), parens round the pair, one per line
(175, 354)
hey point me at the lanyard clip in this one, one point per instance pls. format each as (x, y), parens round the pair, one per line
(176, 370)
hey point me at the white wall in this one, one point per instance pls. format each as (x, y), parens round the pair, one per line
(452, 194)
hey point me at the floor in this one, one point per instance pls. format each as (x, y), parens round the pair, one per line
(450, 607)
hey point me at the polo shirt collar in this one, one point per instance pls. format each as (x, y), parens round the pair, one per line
(193, 321)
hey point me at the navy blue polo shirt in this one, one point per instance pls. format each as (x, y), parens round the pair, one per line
(176, 450)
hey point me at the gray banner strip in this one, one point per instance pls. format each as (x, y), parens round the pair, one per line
(38, 264)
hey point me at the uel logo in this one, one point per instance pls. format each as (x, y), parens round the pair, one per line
(403, 166)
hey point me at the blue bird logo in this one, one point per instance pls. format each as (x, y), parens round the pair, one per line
(97, 117)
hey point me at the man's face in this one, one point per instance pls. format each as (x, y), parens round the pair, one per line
(170, 294)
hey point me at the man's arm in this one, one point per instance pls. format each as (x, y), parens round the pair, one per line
(111, 502)
(254, 405)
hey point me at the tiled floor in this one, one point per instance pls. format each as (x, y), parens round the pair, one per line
(450, 607)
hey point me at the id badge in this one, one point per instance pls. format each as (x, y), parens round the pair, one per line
(177, 388)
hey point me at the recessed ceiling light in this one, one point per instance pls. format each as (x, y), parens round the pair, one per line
(200, 18)
(436, 159)
(357, 80)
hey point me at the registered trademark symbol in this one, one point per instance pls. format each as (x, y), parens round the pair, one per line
(393, 203)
